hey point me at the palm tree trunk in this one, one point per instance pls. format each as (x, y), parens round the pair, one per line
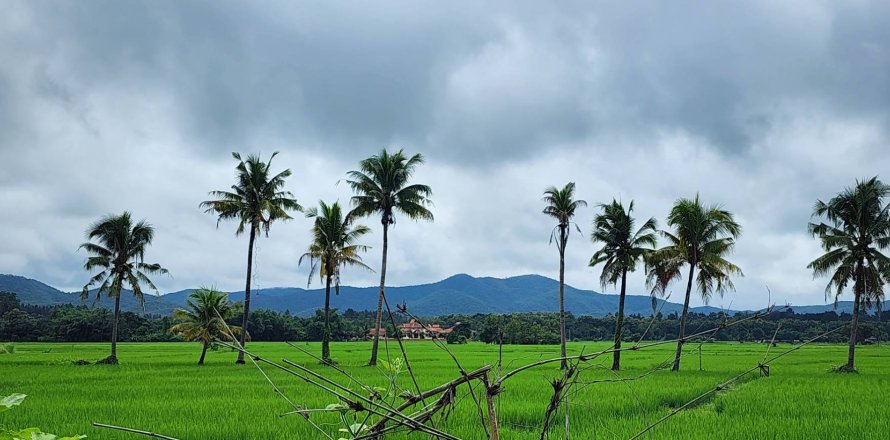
(246, 316)
(619, 323)
(378, 322)
(203, 353)
(562, 305)
(857, 297)
(326, 338)
(680, 340)
(117, 316)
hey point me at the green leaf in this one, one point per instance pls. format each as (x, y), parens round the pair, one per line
(11, 400)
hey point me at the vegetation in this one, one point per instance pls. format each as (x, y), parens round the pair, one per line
(81, 324)
(623, 248)
(561, 205)
(256, 201)
(119, 255)
(334, 245)
(14, 400)
(381, 186)
(203, 319)
(172, 393)
(856, 233)
(702, 237)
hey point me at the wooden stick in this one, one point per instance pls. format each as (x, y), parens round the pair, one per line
(134, 431)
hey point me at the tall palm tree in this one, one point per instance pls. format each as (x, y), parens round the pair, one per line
(856, 233)
(561, 205)
(381, 186)
(333, 247)
(701, 239)
(622, 249)
(256, 200)
(203, 319)
(118, 253)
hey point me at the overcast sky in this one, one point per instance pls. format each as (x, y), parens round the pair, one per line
(762, 107)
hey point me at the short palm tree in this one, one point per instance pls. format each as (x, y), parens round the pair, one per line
(701, 239)
(856, 232)
(334, 245)
(382, 187)
(203, 319)
(118, 253)
(623, 247)
(561, 205)
(256, 200)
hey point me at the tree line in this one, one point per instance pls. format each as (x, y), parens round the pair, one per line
(66, 323)
(853, 228)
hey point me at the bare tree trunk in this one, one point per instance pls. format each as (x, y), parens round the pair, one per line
(851, 354)
(857, 297)
(203, 353)
(562, 306)
(379, 320)
(117, 317)
(619, 323)
(246, 316)
(680, 341)
(326, 338)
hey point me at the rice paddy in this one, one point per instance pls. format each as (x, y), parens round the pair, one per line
(158, 387)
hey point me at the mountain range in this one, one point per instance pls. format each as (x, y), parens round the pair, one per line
(456, 294)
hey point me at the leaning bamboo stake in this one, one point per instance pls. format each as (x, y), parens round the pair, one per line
(490, 392)
(725, 384)
(134, 431)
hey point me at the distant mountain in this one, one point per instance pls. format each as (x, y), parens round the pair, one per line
(34, 292)
(456, 294)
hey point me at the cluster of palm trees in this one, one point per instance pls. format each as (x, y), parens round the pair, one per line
(854, 233)
(700, 238)
(381, 185)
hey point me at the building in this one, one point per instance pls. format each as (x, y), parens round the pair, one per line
(415, 330)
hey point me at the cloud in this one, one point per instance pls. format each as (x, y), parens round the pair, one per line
(763, 107)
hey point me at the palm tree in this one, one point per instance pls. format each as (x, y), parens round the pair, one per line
(702, 237)
(119, 253)
(333, 246)
(256, 201)
(622, 249)
(856, 233)
(561, 205)
(381, 186)
(204, 319)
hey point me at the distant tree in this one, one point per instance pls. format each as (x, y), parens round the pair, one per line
(561, 205)
(333, 246)
(8, 301)
(381, 186)
(856, 231)
(623, 248)
(702, 237)
(118, 254)
(255, 201)
(203, 319)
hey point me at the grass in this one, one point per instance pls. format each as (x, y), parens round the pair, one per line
(158, 387)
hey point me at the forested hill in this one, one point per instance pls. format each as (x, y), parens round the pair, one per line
(459, 294)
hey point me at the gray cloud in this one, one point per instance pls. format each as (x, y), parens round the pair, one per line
(763, 107)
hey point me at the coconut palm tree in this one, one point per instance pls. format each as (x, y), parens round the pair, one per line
(203, 319)
(854, 235)
(381, 186)
(701, 239)
(118, 253)
(623, 247)
(256, 201)
(561, 205)
(333, 247)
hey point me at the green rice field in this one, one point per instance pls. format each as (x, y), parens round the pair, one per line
(158, 387)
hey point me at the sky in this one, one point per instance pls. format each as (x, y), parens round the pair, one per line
(762, 107)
